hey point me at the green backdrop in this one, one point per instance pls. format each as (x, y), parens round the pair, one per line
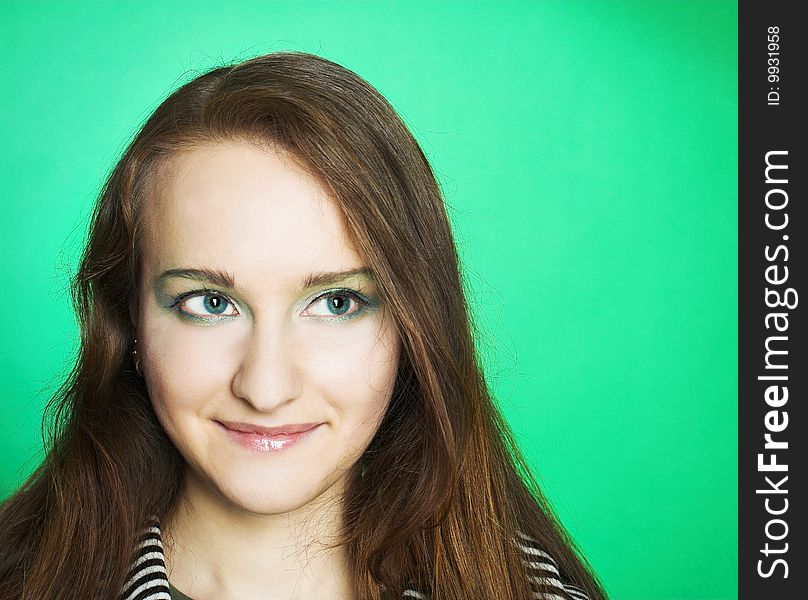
(587, 151)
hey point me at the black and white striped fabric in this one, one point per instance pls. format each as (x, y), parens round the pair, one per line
(148, 578)
(543, 573)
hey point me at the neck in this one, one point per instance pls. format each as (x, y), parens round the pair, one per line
(214, 549)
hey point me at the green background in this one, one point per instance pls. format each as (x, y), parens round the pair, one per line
(587, 151)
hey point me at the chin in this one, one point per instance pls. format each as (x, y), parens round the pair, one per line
(270, 498)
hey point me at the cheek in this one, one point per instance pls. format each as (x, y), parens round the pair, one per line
(355, 369)
(184, 366)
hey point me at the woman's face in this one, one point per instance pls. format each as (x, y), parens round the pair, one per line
(254, 312)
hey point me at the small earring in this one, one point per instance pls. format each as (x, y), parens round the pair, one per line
(136, 358)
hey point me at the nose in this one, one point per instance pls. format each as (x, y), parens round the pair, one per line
(267, 376)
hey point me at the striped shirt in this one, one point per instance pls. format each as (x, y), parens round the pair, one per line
(148, 578)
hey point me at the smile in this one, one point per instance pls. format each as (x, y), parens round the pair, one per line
(267, 439)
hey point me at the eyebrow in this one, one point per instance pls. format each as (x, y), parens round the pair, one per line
(225, 279)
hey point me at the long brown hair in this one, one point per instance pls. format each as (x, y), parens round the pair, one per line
(441, 492)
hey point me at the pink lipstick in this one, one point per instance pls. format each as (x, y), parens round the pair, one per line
(267, 439)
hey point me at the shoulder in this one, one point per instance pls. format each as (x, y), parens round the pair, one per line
(148, 579)
(543, 573)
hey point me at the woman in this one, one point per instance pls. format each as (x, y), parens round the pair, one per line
(277, 393)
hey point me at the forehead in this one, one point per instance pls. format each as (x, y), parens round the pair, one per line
(252, 211)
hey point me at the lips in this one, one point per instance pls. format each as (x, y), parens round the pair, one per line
(257, 438)
(280, 430)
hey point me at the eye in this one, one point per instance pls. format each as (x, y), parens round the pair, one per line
(208, 304)
(340, 303)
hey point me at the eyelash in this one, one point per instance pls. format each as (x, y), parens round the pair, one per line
(363, 303)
